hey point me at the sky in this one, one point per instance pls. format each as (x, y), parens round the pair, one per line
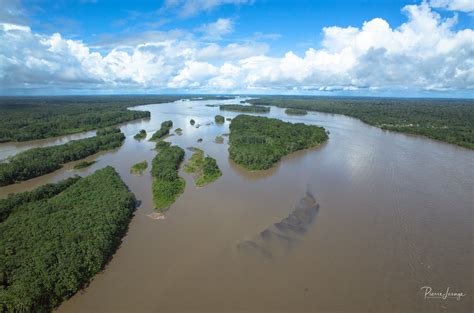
(321, 47)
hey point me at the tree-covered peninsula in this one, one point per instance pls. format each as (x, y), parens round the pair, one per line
(244, 108)
(140, 135)
(204, 168)
(259, 142)
(167, 185)
(53, 243)
(39, 161)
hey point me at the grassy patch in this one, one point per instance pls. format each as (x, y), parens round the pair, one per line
(204, 169)
(84, 164)
(139, 168)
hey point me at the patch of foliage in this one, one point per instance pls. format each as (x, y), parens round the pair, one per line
(219, 139)
(51, 247)
(296, 112)
(163, 131)
(204, 169)
(84, 164)
(244, 108)
(192, 122)
(140, 135)
(39, 161)
(43, 192)
(448, 120)
(167, 185)
(259, 142)
(139, 168)
(219, 119)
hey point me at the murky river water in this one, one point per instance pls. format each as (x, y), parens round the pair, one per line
(395, 214)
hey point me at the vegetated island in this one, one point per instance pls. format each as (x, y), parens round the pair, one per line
(162, 144)
(140, 135)
(167, 184)
(259, 142)
(139, 168)
(192, 122)
(448, 120)
(219, 119)
(244, 108)
(163, 131)
(178, 131)
(204, 169)
(84, 164)
(57, 237)
(296, 112)
(39, 161)
(219, 139)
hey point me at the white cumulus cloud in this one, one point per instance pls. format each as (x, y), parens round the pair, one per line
(426, 52)
(454, 5)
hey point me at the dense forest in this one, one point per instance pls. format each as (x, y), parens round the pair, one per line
(84, 164)
(39, 161)
(203, 168)
(42, 192)
(52, 245)
(259, 142)
(28, 118)
(167, 184)
(244, 108)
(446, 120)
(163, 131)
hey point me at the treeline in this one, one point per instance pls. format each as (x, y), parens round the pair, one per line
(259, 142)
(244, 108)
(163, 131)
(167, 185)
(39, 161)
(448, 120)
(204, 168)
(51, 246)
(43, 192)
(29, 118)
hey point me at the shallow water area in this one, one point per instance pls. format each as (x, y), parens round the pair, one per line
(395, 214)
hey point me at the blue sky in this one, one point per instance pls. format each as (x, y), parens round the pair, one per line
(339, 47)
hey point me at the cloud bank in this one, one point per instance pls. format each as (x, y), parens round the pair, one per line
(424, 53)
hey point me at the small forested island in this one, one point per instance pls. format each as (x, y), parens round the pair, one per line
(219, 139)
(84, 164)
(57, 237)
(167, 184)
(140, 135)
(39, 161)
(244, 108)
(162, 144)
(259, 142)
(204, 169)
(448, 120)
(192, 122)
(139, 168)
(219, 119)
(178, 131)
(163, 131)
(296, 112)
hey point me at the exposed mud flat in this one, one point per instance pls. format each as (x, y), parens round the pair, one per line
(279, 238)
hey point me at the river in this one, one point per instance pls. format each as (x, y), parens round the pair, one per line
(395, 215)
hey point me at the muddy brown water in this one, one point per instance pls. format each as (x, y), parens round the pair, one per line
(395, 214)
